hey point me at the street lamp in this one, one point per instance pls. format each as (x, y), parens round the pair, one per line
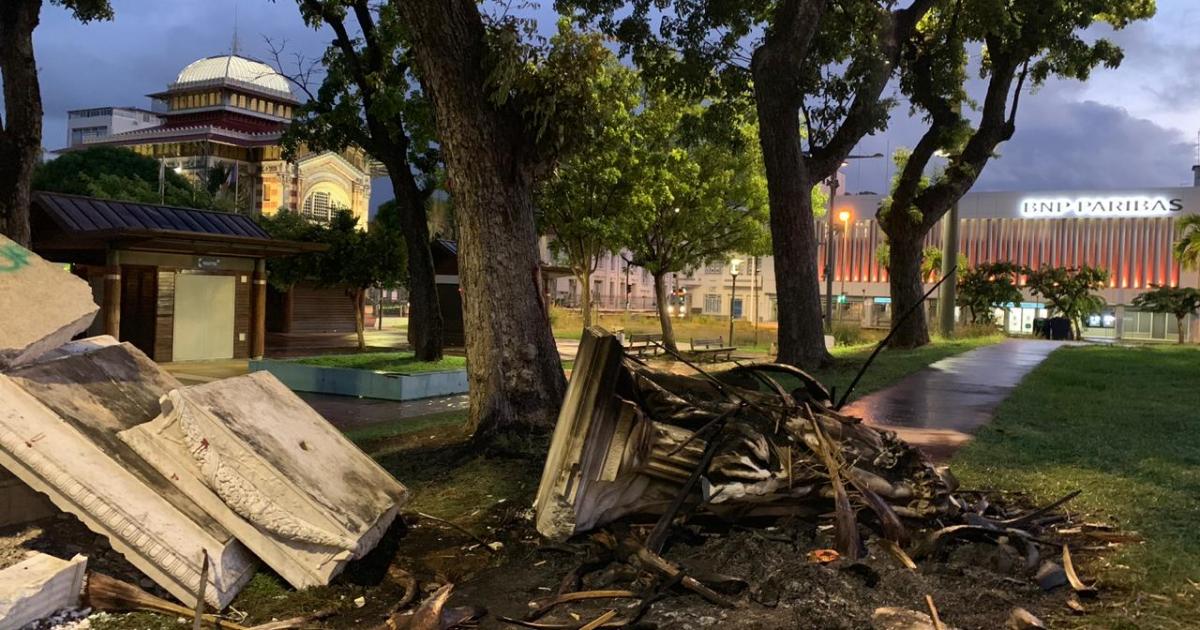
(733, 271)
(844, 217)
(832, 182)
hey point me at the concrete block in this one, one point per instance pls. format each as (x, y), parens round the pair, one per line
(39, 586)
(20, 504)
(274, 472)
(59, 421)
(42, 305)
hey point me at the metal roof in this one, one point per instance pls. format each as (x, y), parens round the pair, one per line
(89, 223)
(233, 68)
(76, 213)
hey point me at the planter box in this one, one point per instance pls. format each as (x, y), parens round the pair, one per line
(364, 383)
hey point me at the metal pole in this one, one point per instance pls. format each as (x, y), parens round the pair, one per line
(732, 297)
(947, 297)
(829, 244)
(845, 264)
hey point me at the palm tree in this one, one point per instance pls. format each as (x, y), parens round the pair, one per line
(1187, 246)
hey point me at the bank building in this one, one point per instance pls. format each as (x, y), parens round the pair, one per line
(226, 114)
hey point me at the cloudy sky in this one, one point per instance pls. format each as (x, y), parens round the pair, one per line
(1133, 127)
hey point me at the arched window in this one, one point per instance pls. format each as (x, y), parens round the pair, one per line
(318, 206)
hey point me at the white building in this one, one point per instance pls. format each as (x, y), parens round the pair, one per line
(1129, 233)
(100, 122)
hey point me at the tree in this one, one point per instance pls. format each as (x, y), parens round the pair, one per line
(579, 206)
(1024, 43)
(694, 200)
(116, 173)
(1178, 301)
(371, 99)
(355, 259)
(1069, 291)
(987, 287)
(1187, 246)
(810, 63)
(21, 131)
(507, 106)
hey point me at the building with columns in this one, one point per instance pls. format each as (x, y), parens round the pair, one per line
(226, 115)
(1129, 233)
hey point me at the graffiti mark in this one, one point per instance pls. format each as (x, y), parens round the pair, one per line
(13, 257)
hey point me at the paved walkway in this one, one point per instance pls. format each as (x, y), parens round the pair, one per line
(939, 407)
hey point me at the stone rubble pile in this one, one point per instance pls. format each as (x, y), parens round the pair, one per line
(237, 470)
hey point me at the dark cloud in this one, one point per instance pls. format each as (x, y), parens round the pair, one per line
(1064, 140)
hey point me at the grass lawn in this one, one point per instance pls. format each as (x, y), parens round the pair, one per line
(402, 362)
(1119, 423)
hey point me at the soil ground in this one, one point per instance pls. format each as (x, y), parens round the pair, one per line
(489, 496)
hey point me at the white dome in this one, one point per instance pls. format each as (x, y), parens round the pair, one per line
(235, 68)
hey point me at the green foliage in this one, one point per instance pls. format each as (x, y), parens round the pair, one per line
(87, 10)
(368, 96)
(695, 199)
(581, 202)
(117, 173)
(1178, 301)
(354, 258)
(1187, 245)
(1069, 291)
(846, 334)
(988, 287)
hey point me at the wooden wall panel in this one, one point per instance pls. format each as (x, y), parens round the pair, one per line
(164, 329)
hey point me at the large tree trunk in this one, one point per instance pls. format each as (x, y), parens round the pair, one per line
(515, 376)
(425, 326)
(664, 313)
(904, 277)
(793, 231)
(21, 131)
(585, 296)
(1179, 329)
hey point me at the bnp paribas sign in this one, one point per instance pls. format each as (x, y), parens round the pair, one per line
(1113, 206)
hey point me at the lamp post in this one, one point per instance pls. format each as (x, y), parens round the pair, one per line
(832, 182)
(733, 271)
(844, 217)
(833, 186)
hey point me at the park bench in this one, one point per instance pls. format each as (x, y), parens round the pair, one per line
(642, 343)
(712, 349)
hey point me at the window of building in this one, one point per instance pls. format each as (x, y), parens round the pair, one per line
(81, 134)
(712, 303)
(318, 207)
(714, 268)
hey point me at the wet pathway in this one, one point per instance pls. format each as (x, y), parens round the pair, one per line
(939, 407)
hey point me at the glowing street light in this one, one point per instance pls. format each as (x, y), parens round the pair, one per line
(733, 271)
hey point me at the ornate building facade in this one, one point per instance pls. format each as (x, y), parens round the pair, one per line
(222, 121)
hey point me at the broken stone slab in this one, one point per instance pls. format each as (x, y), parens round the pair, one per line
(39, 586)
(42, 305)
(288, 484)
(59, 420)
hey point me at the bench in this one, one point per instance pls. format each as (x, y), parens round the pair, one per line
(642, 343)
(712, 349)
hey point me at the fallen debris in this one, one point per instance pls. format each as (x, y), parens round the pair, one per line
(38, 587)
(108, 594)
(41, 304)
(273, 472)
(1022, 619)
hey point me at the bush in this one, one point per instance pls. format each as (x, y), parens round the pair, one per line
(849, 335)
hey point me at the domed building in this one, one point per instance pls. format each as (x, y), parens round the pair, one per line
(222, 119)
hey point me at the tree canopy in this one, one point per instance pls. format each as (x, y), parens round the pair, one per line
(120, 174)
(987, 287)
(1178, 301)
(1020, 44)
(1072, 292)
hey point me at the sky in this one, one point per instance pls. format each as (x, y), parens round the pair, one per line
(1136, 126)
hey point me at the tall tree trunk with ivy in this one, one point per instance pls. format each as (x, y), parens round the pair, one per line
(515, 376)
(21, 133)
